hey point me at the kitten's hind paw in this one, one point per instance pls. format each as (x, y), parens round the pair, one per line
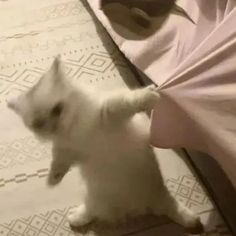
(197, 228)
(79, 216)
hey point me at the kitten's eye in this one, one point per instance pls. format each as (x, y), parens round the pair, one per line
(57, 109)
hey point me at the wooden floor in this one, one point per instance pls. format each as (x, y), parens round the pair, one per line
(217, 185)
(165, 229)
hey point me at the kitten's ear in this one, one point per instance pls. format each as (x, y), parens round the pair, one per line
(56, 63)
(56, 71)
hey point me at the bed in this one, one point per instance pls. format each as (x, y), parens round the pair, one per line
(32, 34)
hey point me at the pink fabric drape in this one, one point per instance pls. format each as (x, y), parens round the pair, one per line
(198, 109)
(195, 67)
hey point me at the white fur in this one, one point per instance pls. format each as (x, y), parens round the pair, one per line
(107, 136)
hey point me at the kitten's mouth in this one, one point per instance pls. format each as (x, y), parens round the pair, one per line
(38, 124)
(45, 133)
(43, 136)
(44, 129)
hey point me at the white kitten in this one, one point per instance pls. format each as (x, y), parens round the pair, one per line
(107, 136)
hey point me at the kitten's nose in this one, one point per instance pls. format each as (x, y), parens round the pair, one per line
(38, 124)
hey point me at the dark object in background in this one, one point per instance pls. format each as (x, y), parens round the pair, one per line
(143, 10)
(217, 184)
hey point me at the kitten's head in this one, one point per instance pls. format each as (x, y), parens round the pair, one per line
(42, 107)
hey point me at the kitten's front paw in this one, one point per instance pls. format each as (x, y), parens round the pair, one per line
(54, 179)
(151, 97)
(79, 216)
